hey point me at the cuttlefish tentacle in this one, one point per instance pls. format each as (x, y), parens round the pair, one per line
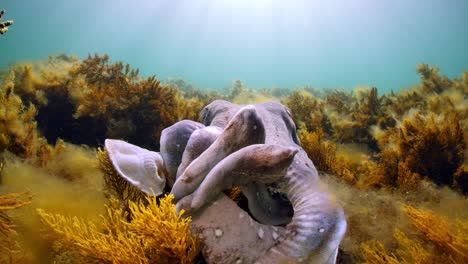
(173, 142)
(259, 162)
(318, 224)
(199, 141)
(245, 128)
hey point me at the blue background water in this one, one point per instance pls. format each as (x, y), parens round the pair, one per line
(324, 43)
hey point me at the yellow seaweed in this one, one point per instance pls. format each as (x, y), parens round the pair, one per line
(166, 234)
(115, 184)
(154, 234)
(10, 250)
(450, 238)
(374, 253)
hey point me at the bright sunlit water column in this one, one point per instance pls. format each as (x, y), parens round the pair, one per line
(324, 43)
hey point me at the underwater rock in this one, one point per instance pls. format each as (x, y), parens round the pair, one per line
(232, 235)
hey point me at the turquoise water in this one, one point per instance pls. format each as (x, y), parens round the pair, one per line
(323, 43)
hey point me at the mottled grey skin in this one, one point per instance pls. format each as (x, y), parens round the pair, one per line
(317, 225)
(173, 143)
(243, 129)
(254, 163)
(199, 141)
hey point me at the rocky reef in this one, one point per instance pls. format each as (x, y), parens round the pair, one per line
(397, 162)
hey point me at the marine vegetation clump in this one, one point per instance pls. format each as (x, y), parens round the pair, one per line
(190, 92)
(4, 25)
(166, 234)
(373, 215)
(408, 252)
(449, 237)
(10, 251)
(422, 146)
(339, 101)
(325, 156)
(374, 253)
(406, 137)
(84, 102)
(9, 202)
(439, 241)
(308, 111)
(133, 108)
(344, 117)
(431, 80)
(238, 93)
(18, 127)
(352, 115)
(54, 187)
(154, 234)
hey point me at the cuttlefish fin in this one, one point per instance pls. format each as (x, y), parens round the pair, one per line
(141, 167)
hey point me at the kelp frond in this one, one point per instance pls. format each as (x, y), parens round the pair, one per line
(450, 238)
(10, 250)
(155, 234)
(164, 231)
(410, 251)
(10, 202)
(374, 253)
(111, 245)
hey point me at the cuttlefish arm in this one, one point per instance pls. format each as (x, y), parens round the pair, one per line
(199, 141)
(254, 164)
(174, 140)
(318, 224)
(258, 162)
(245, 128)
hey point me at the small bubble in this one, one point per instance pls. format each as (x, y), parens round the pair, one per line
(321, 230)
(260, 233)
(275, 235)
(218, 232)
